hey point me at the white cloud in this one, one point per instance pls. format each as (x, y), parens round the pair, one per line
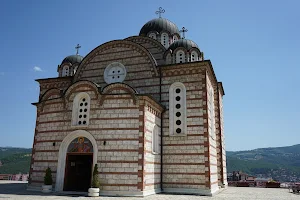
(37, 69)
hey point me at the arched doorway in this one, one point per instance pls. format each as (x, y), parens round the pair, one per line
(68, 154)
(79, 164)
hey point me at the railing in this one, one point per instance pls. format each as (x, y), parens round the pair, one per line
(14, 177)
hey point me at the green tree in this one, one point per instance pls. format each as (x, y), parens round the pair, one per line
(95, 178)
(48, 177)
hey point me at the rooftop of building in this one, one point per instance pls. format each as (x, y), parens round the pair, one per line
(16, 190)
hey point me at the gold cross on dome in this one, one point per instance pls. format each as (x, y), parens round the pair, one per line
(183, 30)
(77, 48)
(160, 11)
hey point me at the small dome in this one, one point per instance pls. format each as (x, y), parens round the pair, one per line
(72, 59)
(158, 25)
(185, 43)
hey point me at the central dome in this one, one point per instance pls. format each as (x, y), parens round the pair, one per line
(158, 25)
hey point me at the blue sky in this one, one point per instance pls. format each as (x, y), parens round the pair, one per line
(254, 47)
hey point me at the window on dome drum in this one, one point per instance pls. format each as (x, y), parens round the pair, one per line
(155, 140)
(81, 109)
(177, 109)
(165, 40)
(180, 56)
(194, 56)
(152, 35)
(114, 73)
(65, 71)
(175, 38)
(211, 108)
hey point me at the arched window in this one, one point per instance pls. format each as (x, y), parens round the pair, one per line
(152, 35)
(177, 109)
(165, 40)
(65, 71)
(180, 56)
(81, 109)
(194, 56)
(168, 59)
(175, 38)
(211, 108)
(155, 140)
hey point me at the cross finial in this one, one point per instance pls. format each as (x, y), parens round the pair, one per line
(160, 11)
(183, 30)
(77, 48)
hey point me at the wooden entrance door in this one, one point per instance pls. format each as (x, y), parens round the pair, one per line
(78, 172)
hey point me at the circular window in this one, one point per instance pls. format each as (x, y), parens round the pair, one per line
(177, 90)
(178, 98)
(178, 106)
(114, 73)
(178, 114)
(178, 122)
(178, 130)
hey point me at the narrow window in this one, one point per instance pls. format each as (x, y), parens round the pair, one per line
(175, 38)
(168, 59)
(65, 71)
(165, 40)
(180, 56)
(177, 109)
(81, 109)
(155, 140)
(194, 56)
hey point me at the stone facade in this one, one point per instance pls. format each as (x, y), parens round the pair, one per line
(123, 118)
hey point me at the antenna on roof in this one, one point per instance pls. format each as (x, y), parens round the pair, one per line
(77, 48)
(160, 11)
(183, 30)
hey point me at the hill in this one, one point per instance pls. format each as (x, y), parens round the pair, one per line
(280, 163)
(14, 160)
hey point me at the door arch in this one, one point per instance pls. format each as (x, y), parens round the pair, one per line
(63, 149)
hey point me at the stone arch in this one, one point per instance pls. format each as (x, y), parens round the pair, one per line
(46, 97)
(77, 84)
(119, 86)
(148, 40)
(60, 174)
(114, 43)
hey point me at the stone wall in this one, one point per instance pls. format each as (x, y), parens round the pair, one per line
(184, 156)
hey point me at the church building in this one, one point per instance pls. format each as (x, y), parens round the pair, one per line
(147, 109)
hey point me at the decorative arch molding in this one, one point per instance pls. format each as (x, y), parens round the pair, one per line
(50, 92)
(147, 40)
(60, 174)
(93, 86)
(112, 44)
(46, 98)
(195, 49)
(118, 86)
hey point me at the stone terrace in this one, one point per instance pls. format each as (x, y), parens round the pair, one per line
(17, 190)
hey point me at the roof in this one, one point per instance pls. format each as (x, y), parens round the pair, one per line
(185, 43)
(72, 59)
(158, 25)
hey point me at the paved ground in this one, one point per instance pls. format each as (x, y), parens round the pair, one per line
(17, 190)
